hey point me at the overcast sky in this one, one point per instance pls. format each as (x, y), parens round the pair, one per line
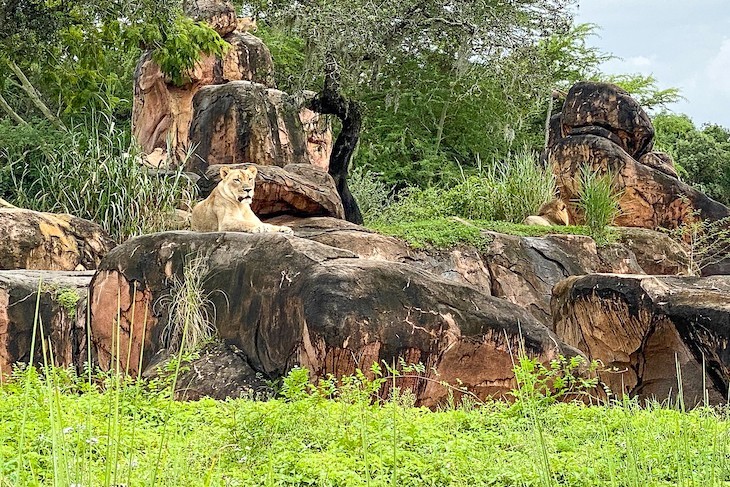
(682, 43)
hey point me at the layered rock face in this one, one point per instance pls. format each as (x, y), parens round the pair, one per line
(296, 189)
(163, 110)
(603, 128)
(284, 301)
(242, 121)
(34, 240)
(58, 314)
(278, 128)
(645, 327)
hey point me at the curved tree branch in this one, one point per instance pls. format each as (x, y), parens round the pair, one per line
(331, 101)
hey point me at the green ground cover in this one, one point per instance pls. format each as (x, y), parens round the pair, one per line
(65, 432)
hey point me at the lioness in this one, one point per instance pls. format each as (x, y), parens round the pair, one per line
(551, 213)
(228, 208)
(246, 24)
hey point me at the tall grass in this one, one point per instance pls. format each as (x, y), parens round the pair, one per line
(93, 172)
(599, 202)
(508, 191)
(190, 312)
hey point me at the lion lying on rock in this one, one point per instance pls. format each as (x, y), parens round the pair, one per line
(551, 213)
(228, 208)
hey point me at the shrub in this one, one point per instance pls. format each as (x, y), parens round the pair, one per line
(599, 203)
(370, 192)
(510, 191)
(91, 172)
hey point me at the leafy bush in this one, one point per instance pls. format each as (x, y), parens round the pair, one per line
(598, 202)
(702, 156)
(91, 172)
(370, 192)
(509, 191)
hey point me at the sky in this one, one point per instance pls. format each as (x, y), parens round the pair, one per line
(682, 43)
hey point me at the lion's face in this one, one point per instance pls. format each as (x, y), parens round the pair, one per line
(238, 183)
(556, 211)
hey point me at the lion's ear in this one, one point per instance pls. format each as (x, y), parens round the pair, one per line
(252, 170)
(224, 171)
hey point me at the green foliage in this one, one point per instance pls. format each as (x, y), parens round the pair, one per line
(68, 299)
(81, 54)
(190, 311)
(440, 233)
(91, 172)
(508, 191)
(707, 242)
(702, 155)
(370, 192)
(77, 433)
(177, 51)
(598, 201)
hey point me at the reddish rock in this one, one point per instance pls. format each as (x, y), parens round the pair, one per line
(247, 122)
(219, 14)
(656, 253)
(660, 161)
(640, 327)
(604, 106)
(34, 240)
(522, 270)
(161, 109)
(297, 189)
(62, 320)
(650, 198)
(285, 301)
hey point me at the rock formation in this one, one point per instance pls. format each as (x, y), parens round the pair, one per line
(61, 313)
(642, 327)
(287, 301)
(241, 121)
(601, 127)
(34, 240)
(278, 126)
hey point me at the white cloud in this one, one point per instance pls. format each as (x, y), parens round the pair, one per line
(640, 61)
(718, 69)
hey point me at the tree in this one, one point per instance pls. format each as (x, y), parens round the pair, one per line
(60, 59)
(702, 155)
(441, 83)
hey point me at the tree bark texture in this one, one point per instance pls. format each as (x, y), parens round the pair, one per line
(330, 101)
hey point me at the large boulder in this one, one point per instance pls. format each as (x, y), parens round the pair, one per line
(59, 314)
(285, 301)
(297, 189)
(605, 107)
(34, 240)
(163, 111)
(643, 327)
(219, 14)
(656, 253)
(522, 270)
(243, 121)
(650, 198)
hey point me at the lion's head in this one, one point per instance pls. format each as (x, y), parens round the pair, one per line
(555, 211)
(238, 184)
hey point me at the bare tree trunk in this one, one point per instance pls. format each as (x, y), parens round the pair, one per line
(30, 90)
(547, 120)
(330, 101)
(5, 106)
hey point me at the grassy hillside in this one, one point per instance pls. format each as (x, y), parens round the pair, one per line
(62, 431)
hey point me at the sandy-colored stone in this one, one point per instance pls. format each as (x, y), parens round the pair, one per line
(34, 240)
(641, 327)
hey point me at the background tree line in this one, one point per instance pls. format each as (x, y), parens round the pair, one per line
(447, 88)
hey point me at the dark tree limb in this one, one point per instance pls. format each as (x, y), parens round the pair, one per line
(331, 101)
